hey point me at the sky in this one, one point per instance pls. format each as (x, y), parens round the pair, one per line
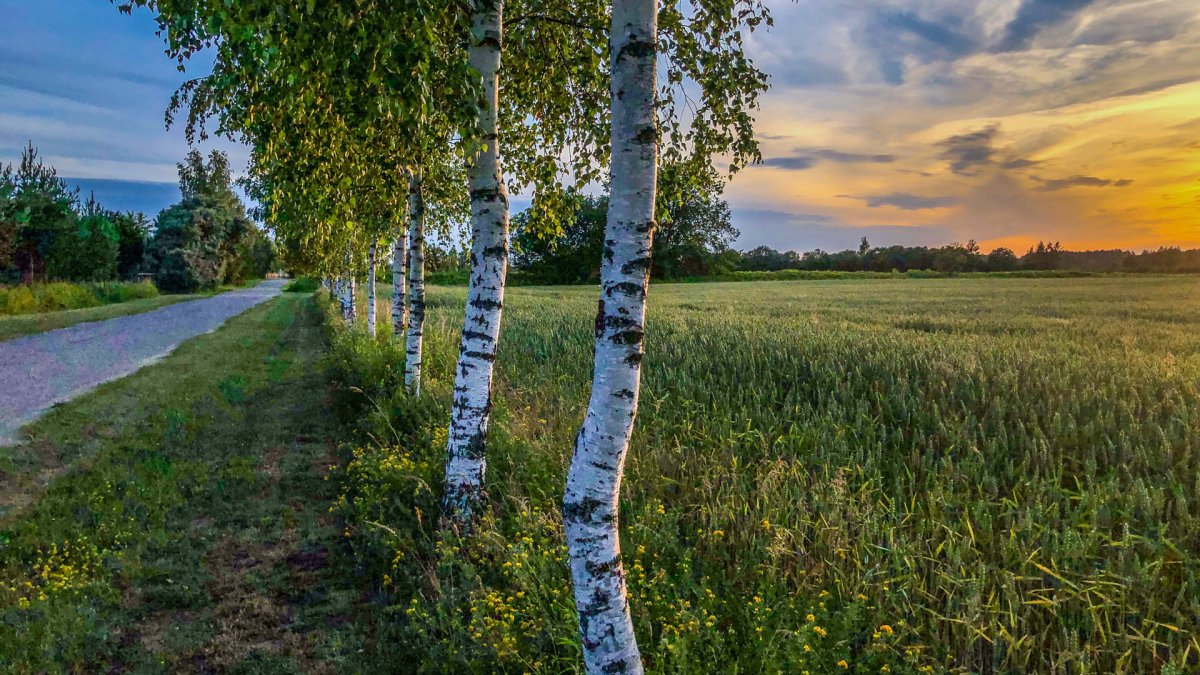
(919, 122)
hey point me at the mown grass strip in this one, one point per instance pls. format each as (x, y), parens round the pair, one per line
(189, 528)
(28, 324)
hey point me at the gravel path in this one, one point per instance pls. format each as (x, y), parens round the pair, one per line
(40, 370)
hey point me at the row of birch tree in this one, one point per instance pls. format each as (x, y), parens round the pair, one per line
(374, 123)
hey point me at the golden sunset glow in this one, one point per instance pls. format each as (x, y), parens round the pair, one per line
(1084, 130)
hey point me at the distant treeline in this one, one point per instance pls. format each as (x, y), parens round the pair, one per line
(47, 233)
(957, 258)
(694, 237)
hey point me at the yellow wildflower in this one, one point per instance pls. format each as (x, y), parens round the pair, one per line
(842, 664)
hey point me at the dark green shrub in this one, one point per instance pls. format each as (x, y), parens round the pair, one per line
(206, 239)
(302, 285)
(85, 250)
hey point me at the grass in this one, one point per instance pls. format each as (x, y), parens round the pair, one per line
(962, 475)
(29, 324)
(521, 278)
(57, 296)
(180, 524)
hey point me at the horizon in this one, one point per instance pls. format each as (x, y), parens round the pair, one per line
(910, 123)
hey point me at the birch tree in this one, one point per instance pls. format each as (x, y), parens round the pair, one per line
(557, 96)
(729, 86)
(594, 480)
(349, 306)
(399, 280)
(284, 71)
(322, 92)
(372, 262)
(436, 202)
(413, 348)
(465, 459)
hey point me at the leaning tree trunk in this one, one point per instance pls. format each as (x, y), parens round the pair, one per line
(399, 306)
(465, 461)
(416, 284)
(590, 506)
(372, 261)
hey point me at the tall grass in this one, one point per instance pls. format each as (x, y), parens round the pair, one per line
(58, 296)
(954, 475)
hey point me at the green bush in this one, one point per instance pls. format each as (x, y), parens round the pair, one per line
(302, 285)
(448, 278)
(59, 296)
(206, 240)
(111, 293)
(86, 250)
(18, 300)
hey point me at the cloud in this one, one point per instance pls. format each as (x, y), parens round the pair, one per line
(906, 201)
(1054, 184)
(897, 40)
(968, 151)
(1033, 16)
(806, 158)
(1016, 164)
(806, 71)
(937, 39)
(852, 157)
(1145, 21)
(799, 163)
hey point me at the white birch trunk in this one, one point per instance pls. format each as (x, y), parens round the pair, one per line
(340, 292)
(399, 306)
(590, 505)
(416, 284)
(349, 311)
(372, 260)
(465, 450)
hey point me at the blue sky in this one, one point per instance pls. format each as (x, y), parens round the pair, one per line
(906, 121)
(89, 86)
